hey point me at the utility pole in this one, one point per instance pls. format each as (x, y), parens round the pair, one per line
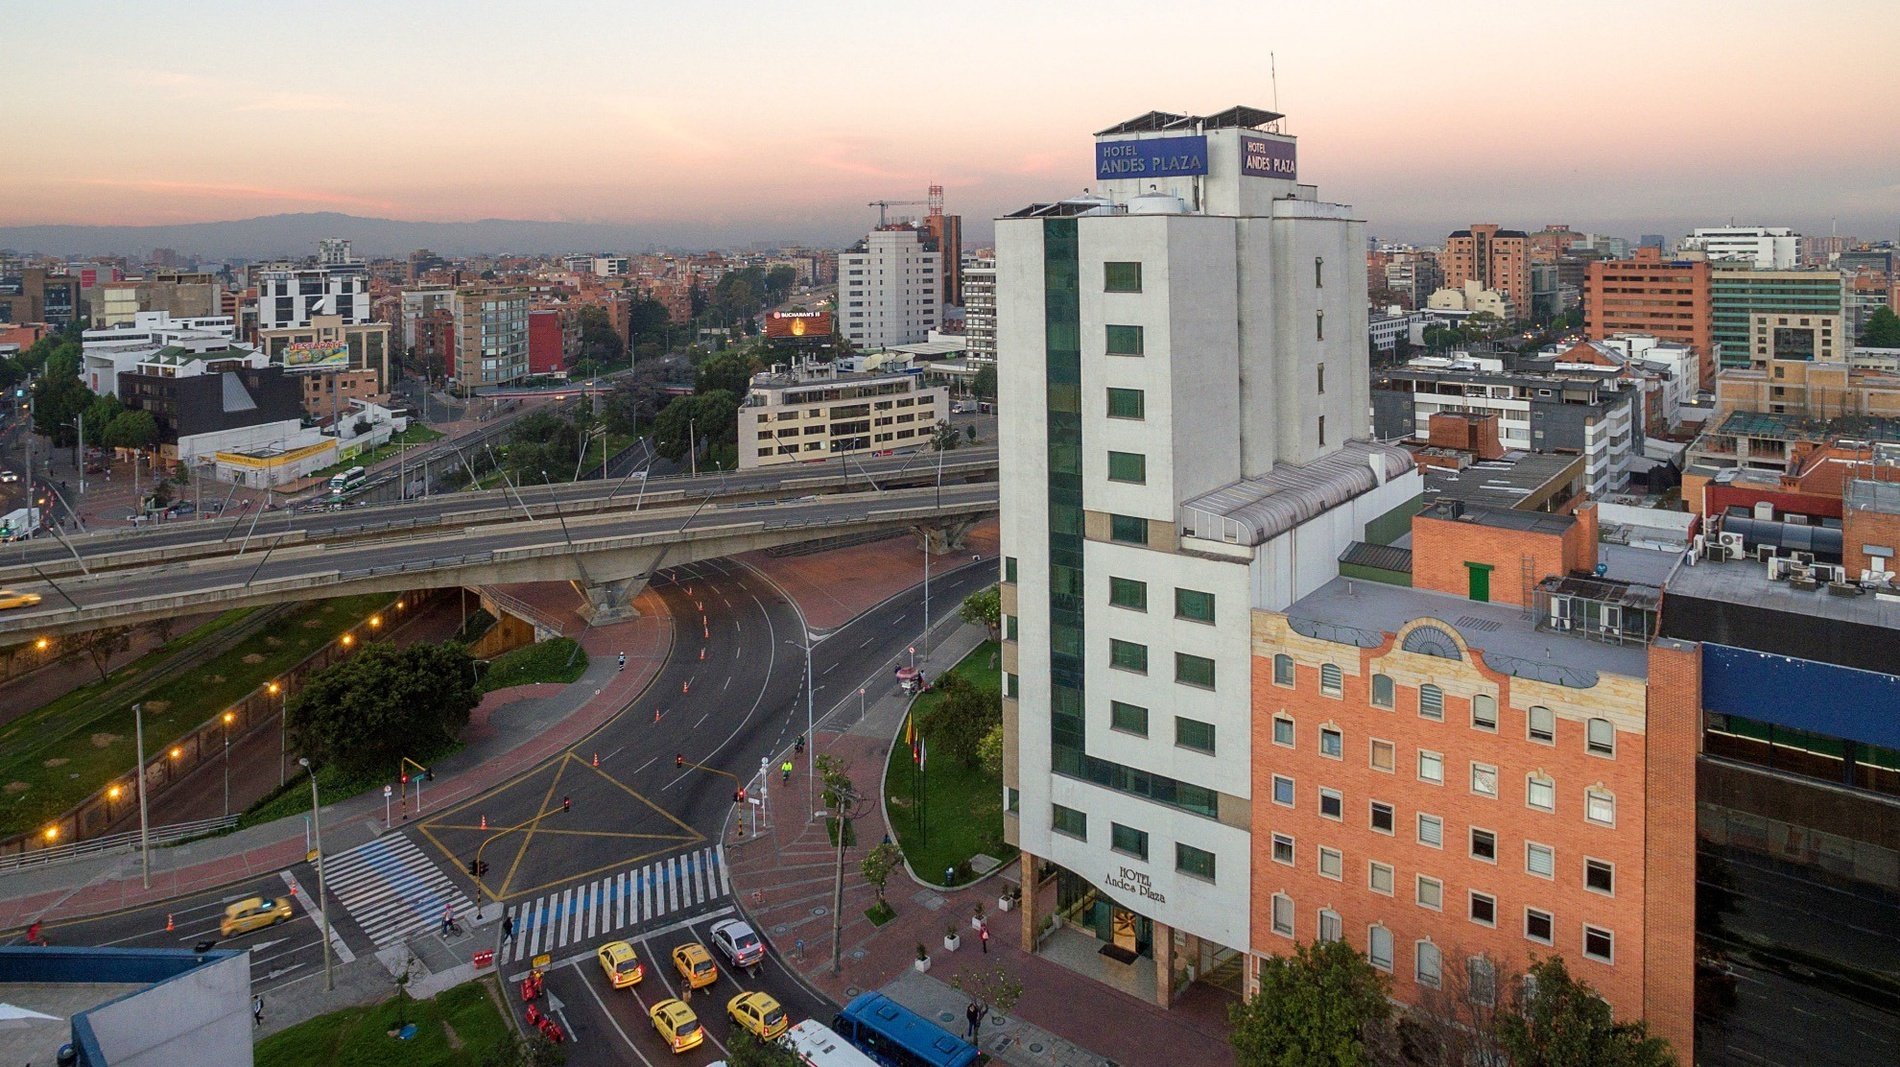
(323, 906)
(145, 840)
(692, 445)
(846, 799)
(81, 458)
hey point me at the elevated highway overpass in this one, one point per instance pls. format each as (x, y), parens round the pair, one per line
(606, 548)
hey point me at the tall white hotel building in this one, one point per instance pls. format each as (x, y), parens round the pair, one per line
(1184, 403)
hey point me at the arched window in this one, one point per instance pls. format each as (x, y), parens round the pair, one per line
(1382, 690)
(1601, 738)
(1283, 669)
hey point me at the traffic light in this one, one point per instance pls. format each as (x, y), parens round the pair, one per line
(405, 779)
(567, 804)
(478, 867)
(679, 759)
(428, 774)
(738, 795)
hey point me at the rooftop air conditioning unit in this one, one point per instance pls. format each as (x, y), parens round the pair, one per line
(1764, 553)
(1733, 542)
(1806, 558)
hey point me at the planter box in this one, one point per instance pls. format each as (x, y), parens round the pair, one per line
(951, 943)
(1004, 903)
(923, 966)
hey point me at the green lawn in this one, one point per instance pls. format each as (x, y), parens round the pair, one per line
(55, 757)
(416, 434)
(963, 806)
(358, 1037)
(556, 660)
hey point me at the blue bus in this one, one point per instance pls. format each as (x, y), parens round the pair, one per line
(895, 1036)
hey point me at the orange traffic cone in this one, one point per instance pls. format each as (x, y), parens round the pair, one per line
(705, 632)
(686, 687)
(596, 759)
(484, 822)
(656, 714)
(700, 604)
(702, 655)
(168, 922)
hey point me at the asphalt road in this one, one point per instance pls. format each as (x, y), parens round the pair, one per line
(631, 811)
(447, 548)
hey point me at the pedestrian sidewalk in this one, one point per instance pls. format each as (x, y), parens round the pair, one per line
(782, 880)
(508, 733)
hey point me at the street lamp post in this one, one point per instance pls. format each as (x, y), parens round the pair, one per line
(145, 840)
(323, 905)
(228, 717)
(811, 741)
(283, 733)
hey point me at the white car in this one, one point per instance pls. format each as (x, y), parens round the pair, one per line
(738, 943)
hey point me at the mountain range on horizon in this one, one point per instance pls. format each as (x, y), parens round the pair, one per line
(295, 235)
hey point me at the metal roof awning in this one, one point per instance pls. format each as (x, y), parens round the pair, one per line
(1253, 511)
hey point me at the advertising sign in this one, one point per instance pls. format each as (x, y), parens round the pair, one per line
(794, 325)
(1261, 157)
(316, 355)
(1159, 157)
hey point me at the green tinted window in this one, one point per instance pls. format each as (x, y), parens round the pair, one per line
(1128, 593)
(1128, 839)
(1009, 568)
(1121, 277)
(1194, 670)
(1194, 734)
(1128, 718)
(1124, 340)
(1193, 604)
(1070, 821)
(1127, 404)
(1128, 656)
(1194, 861)
(1128, 529)
(1128, 467)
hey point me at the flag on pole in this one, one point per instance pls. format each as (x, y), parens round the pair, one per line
(921, 753)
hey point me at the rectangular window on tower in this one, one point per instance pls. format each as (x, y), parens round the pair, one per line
(1321, 369)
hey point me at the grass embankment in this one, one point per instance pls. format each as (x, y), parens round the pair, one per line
(963, 806)
(416, 434)
(557, 660)
(58, 755)
(359, 1037)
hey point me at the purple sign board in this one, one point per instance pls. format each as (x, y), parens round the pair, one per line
(1262, 157)
(1158, 157)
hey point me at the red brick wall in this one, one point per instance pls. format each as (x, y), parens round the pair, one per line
(1477, 434)
(1863, 527)
(1675, 737)
(544, 342)
(1508, 816)
(1441, 548)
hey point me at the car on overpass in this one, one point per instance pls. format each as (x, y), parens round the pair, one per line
(11, 599)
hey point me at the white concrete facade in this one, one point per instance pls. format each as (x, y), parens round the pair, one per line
(1252, 326)
(979, 310)
(788, 420)
(1767, 247)
(289, 296)
(889, 291)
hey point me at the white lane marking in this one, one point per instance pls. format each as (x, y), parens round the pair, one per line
(336, 940)
(615, 1023)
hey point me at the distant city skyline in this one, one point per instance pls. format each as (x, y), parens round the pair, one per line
(728, 123)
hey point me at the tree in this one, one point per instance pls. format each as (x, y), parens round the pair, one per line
(513, 1050)
(132, 429)
(992, 990)
(1322, 1006)
(713, 417)
(745, 1050)
(963, 713)
(102, 644)
(1882, 329)
(600, 342)
(985, 383)
(385, 703)
(989, 752)
(984, 608)
(878, 864)
(729, 371)
(1558, 1021)
(99, 415)
(58, 400)
(946, 438)
(636, 398)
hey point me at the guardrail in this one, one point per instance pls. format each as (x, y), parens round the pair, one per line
(127, 841)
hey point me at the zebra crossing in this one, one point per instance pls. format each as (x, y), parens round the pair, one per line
(633, 896)
(391, 889)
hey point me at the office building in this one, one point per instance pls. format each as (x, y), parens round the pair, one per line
(1495, 258)
(118, 303)
(290, 296)
(491, 336)
(32, 294)
(813, 411)
(219, 406)
(890, 288)
(979, 310)
(1737, 293)
(1646, 294)
(1760, 247)
(129, 1007)
(946, 231)
(108, 352)
(1485, 759)
(1183, 431)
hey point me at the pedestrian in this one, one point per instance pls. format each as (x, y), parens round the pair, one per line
(983, 935)
(257, 1009)
(623, 661)
(982, 1012)
(970, 1018)
(448, 919)
(785, 769)
(508, 928)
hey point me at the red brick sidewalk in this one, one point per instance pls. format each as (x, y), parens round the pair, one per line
(834, 587)
(785, 873)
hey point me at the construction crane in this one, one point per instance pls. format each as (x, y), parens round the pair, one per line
(881, 205)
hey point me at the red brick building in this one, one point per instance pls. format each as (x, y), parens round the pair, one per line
(1455, 789)
(1644, 294)
(1496, 258)
(546, 342)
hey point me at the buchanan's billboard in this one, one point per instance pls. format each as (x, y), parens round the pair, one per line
(316, 355)
(796, 325)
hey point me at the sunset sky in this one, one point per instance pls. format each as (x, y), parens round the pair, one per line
(766, 122)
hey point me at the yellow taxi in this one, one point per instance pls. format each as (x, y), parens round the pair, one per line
(621, 963)
(695, 965)
(677, 1024)
(759, 1013)
(12, 599)
(253, 914)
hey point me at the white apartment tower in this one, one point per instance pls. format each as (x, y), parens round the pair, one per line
(979, 310)
(889, 288)
(1185, 439)
(1767, 247)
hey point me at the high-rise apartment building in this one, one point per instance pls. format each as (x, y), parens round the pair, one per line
(947, 232)
(890, 288)
(291, 296)
(1738, 292)
(491, 336)
(1495, 258)
(979, 310)
(1761, 247)
(1646, 294)
(1184, 432)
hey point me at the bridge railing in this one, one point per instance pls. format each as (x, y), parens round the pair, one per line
(122, 842)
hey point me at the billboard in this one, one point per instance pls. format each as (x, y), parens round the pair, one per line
(798, 325)
(1157, 157)
(316, 355)
(1263, 157)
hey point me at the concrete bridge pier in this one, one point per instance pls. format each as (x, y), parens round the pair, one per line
(612, 601)
(945, 537)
